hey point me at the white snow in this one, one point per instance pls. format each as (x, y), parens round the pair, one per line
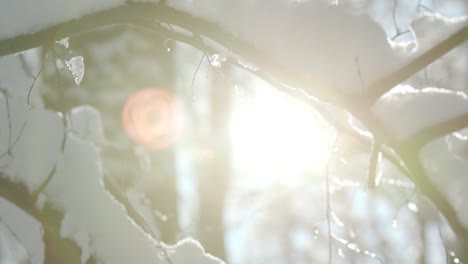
(42, 128)
(188, 251)
(77, 68)
(306, 37)
(333, 49)
(86, 123)
(404, 111)
(11, 251)
(92, 217)
(43, 134)
(30, 16)
(429, 29)
(25, 229)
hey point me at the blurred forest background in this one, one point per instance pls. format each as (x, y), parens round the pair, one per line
(247, 172)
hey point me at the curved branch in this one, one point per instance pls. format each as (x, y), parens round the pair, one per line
(428, 189)
(150, 15)
(57, 250)
(142, 14)
(383, 85)
(419, 139)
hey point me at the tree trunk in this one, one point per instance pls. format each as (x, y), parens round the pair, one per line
(214, 172)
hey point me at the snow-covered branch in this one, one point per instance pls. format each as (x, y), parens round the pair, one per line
(295, 64)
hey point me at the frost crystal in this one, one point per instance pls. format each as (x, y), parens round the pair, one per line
(77, 68)
(64, 42)
(353, 246)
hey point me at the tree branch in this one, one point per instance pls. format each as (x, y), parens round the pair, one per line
(383, 85)
(419, 139)
(428, 189)
(57, 250)
(149, 15)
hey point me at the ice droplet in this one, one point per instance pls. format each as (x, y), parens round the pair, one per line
(394, 223)
(77, 68)
(216, 60)
(337, 220)
(168, 49)
(413, 207)
(353, 246)
(456, 260)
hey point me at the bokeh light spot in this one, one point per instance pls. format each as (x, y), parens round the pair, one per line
(153, 118)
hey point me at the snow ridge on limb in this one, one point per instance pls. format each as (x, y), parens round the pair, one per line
(406, 111)
(305, 38)
(427, 47)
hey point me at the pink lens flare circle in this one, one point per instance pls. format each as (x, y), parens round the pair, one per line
(153, 118)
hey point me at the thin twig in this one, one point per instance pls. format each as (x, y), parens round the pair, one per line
(195, 75)
(420, 6)
(16, 237)
(41, 188)
(7, 106)
(136, 216)
(9, 152)
(359, 73)
(397, 28)
(395, 4)
(400, 34)
(37, 76)
(446, 247)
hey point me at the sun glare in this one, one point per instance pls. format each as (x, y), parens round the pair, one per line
(274, 134)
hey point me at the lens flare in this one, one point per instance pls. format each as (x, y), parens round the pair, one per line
(153, 118)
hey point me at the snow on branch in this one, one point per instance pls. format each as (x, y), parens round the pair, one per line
(333, 56)
(423, 114)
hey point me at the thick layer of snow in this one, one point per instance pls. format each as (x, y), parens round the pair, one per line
(25, 229)
(429, 29)
(85, 122)
(43, 133)
(306, 37)
(11, 250)
(92, 217)
(29, 16)
(332, 48)
(405, 111)
(42, 128)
